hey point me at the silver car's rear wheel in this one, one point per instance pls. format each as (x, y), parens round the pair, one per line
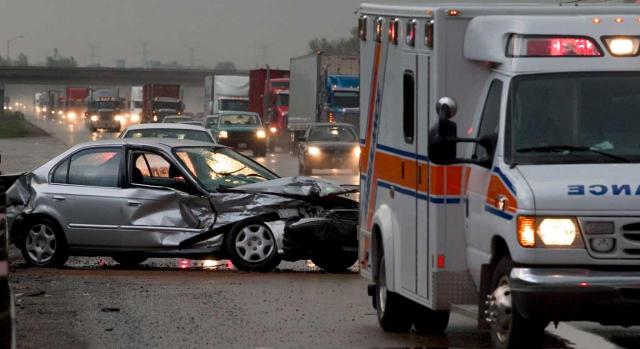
(41, 243)
(252, 247)
(255, 243)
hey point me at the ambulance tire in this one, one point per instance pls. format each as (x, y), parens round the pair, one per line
(394, 311)
(431, 321)
(516, 332)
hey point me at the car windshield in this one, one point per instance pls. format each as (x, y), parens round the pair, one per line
(217, 168)
(282, 100)
(332, 134)
(239, 120)
(169, 133)
(574, 118)
(234, 104)
(283, 85)
(346, 99)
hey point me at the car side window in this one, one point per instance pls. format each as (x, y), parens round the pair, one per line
(95, 167)
(149, 168)
(60, 173)
(490, 120)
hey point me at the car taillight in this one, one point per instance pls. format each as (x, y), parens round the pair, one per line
(332, 117)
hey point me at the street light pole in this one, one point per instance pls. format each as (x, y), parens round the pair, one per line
(9, 47)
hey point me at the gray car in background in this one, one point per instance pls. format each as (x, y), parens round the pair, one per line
(176, 131)
(132, 199)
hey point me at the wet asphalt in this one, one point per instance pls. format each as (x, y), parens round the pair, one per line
(169, 303)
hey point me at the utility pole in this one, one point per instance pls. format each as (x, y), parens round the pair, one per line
(192, 56)
(92, 55)
(9, 46)
(144, 44)
(263, 56)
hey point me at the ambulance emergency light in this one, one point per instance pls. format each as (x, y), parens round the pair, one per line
(552, 46)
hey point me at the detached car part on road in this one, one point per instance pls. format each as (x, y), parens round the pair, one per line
(138, 198)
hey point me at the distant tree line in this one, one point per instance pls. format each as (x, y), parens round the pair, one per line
(51, 61)
(342, 46)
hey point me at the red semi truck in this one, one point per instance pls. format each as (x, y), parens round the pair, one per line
(269, 97)
(160, 100)
(75, 104)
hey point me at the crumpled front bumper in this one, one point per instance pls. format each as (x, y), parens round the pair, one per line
(555, 294)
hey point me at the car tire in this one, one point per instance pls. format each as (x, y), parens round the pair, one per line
(429, 321)
(251, 246)
(335, 263)
(509, 330)
(394, 312)
(129, 260)
(43, 243)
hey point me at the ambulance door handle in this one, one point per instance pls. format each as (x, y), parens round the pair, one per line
(466, 206)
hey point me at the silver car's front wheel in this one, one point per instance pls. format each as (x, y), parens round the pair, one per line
(43, 244)
(252, 247)
(255, 243)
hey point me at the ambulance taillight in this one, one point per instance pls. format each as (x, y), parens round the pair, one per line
(552, 46)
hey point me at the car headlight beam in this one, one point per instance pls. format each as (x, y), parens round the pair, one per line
(223, 134)
(313, 151)
(261, 134)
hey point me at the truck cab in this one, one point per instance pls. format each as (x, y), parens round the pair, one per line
(497, 167)
(342, 102)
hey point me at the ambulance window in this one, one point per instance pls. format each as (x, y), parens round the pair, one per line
(490, 119)
(408, 106)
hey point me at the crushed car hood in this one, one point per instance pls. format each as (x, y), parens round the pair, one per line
(297, 187)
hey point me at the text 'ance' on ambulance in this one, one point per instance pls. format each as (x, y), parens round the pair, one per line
(500, 162)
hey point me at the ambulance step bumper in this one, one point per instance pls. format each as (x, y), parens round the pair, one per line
(608, 297)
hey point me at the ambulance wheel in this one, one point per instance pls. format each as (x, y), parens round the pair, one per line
(252, 247)
(431, 321)
(393, 310)
(509, 330)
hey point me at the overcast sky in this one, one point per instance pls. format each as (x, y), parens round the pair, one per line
(219, 30)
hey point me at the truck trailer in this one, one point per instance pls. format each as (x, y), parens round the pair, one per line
(324, 88)
(160, 100)
(498, 165)
(226, 93)
(135, 104)
(269, 97)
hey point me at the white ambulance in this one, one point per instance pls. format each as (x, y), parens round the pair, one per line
(501, 165)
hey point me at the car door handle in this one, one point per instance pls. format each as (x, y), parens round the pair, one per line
(58, 198)
(133, 203)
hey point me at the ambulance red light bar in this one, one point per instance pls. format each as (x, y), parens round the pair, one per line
(552, 46)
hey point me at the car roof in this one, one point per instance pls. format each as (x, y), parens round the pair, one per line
(165, 126)
(163, 143)
(235, 113)
(322, 124)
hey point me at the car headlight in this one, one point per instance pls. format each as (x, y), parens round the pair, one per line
(135, 117)
(94, 117)
(313, 151)
(356, 151)
(273, 129)
(118, 118)
(548, 232)
(72, 115)
(223, 134)
(261, 134)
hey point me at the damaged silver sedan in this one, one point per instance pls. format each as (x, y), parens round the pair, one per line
(136, 199)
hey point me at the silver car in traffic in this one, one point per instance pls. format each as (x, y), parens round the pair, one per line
(132, 199)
